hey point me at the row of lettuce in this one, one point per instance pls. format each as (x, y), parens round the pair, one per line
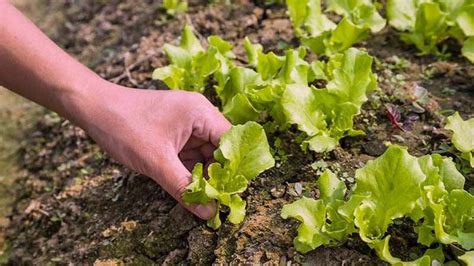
(423, 23)
(281, 88)
(428, 190)
(276, 86)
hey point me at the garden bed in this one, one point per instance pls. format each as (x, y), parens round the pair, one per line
(74, 204)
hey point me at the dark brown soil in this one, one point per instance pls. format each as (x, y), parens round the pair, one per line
(74, 204)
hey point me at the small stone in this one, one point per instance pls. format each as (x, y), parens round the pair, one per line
(299, 188)
(291, 190)
(278, 192)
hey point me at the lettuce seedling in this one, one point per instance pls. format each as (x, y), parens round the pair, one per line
(321, 35)
(427, 23)
(428, 190)
(243, 154)
(191, 65)
(174, 7)
(463, 136)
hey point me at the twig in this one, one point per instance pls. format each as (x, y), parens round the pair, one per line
(198, 34)
(127, 74)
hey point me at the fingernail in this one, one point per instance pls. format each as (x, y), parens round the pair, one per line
(205, 211)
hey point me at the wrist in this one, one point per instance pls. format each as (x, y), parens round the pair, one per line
(82, 100)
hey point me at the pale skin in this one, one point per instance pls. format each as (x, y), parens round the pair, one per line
(161, 134)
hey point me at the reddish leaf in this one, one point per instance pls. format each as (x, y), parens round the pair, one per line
(394, 116)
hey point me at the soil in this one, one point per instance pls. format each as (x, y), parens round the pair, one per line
(73, 204)
(16, 115)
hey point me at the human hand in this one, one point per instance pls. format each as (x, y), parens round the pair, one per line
(161, 134)
(149, 131)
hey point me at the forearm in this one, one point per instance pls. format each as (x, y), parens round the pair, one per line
(36, 68)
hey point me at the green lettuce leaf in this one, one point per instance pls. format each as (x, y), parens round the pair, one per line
(243, 154)
(171, 75)
(312, 214)
(353, 78)
(331, 189)
(314, 230)
(449, 175)
(454, 219)
(468, 49)
(300, 107)
(245, 150)
(175, 6)
(295, 69)
(463, 136)
(391, 183)
(307, 17)
(240, 110)
(196, 189)
(252, 51)
(465, 18)
(361, 12)
(239, 80)
(344, 36)
(189, 41)
(468, 258)
(401, 14)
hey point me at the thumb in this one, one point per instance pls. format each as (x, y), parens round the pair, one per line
(174, 178)
(211, 126)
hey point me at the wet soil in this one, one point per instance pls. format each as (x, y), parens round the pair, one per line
(74, 204)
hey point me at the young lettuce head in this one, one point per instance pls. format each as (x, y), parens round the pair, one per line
(243, 154)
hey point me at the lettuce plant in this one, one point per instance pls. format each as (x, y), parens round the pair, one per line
(426, 23)
(428, 190)
(322, 35)
(326, 115)
(463, 136)
(243, 154)
(252, 93)
(191, 65)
